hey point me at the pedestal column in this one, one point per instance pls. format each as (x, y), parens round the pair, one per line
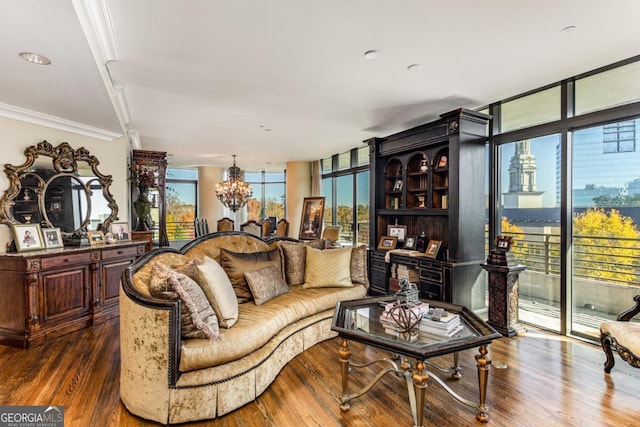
(503, 298)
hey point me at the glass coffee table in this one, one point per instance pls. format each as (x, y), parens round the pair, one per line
(359, 320)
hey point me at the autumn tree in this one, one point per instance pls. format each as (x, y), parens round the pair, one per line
(606, 245)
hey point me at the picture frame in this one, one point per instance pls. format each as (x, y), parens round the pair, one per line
(410, 242)
(96, 238)
(312, 218)
(52, 238)
(27, 237)
(398, 185)
(387, 243)
(443, 161)
(120, 231)
(433, 248)
(399, 231)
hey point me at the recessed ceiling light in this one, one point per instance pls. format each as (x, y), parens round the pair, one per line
(568, 30)
(414, 67)
(35, 58)
(372, 54)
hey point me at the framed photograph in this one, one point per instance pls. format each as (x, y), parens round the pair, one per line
(120, 230)
(398, 185)
(399, 231)
(410, 242)
(387, 243)
(443, 162)
(52, 238)
(312, 216)
(432, 248)
(28, 237)
(96, 238)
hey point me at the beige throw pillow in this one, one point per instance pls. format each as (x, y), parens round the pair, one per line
(328, 268)
(265, 284)
(197, 317)
(294, 258)
(359, 265)
(217, 287)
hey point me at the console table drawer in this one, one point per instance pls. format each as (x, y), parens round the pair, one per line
(431, 275)
(130, 251)
(66, 259)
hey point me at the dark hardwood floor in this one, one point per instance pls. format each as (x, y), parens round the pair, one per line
(549, 381)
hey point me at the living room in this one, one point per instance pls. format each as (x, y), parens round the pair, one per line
(568, 303)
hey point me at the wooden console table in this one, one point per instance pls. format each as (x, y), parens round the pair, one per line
(56, 291)
(143, 236)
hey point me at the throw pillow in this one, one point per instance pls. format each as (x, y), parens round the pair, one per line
(188, 269)
(294, 258)
(217, 287)
(198, 318)
(265, 284)
(359, 265)
(235, 264)
(328, 268)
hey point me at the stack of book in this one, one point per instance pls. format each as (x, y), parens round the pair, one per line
(391, 319)
(410, 273)
(446, 326)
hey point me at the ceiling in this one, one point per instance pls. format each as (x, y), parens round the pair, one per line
(287, 80)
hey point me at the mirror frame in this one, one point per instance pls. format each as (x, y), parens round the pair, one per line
(65, 163)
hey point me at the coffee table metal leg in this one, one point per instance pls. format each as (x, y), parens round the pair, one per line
(483, 362)
(420, 378)
(456, 367)
(345, 355)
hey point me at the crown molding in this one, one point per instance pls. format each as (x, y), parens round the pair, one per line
(42, 119)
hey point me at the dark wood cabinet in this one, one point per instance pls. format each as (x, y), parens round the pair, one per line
(57, 291)
(431, 179)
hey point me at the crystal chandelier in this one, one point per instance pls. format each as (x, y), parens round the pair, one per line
(234, 193)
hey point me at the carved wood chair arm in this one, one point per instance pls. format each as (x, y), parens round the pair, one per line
(626, 315)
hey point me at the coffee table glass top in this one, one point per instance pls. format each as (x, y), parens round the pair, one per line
(359, 320)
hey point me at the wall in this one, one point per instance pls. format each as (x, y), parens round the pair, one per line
(16, 136)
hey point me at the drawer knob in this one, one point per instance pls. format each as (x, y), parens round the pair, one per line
(120, 252)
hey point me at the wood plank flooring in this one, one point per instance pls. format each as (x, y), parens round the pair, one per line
(549, 381)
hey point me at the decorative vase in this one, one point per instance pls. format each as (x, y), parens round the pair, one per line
(143, 209)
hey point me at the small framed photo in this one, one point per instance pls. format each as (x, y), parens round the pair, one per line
(120, 231)
(28, 237)
(387, 243)
(432, 248)
(52, 238)
(443, 162)
(96, 238)
(399, 231)
(410, 242)
(398, 185)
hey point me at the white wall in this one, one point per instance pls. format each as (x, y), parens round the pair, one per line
(16, 136)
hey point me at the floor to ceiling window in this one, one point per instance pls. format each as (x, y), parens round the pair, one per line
(567, 188)
(606, 222)
(269, 196)
(345, 186)
(180, 194)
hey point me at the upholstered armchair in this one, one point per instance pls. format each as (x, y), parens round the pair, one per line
(331, 234)
(225, 224)
(622, 336)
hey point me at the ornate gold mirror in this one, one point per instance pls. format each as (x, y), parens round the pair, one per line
(58, 187)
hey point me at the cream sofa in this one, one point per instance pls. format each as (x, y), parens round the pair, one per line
(169, 379)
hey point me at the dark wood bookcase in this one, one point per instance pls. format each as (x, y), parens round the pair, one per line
(431, 179)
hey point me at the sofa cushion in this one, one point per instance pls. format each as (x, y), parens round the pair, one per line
(198, 318)
(359, 265)
(330, 267)
(294, 258)
(266, 283)
(189, 269)
(235, 264)
(217, 287)
(257, 324)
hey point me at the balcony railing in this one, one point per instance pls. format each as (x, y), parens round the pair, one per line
(614, 259)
